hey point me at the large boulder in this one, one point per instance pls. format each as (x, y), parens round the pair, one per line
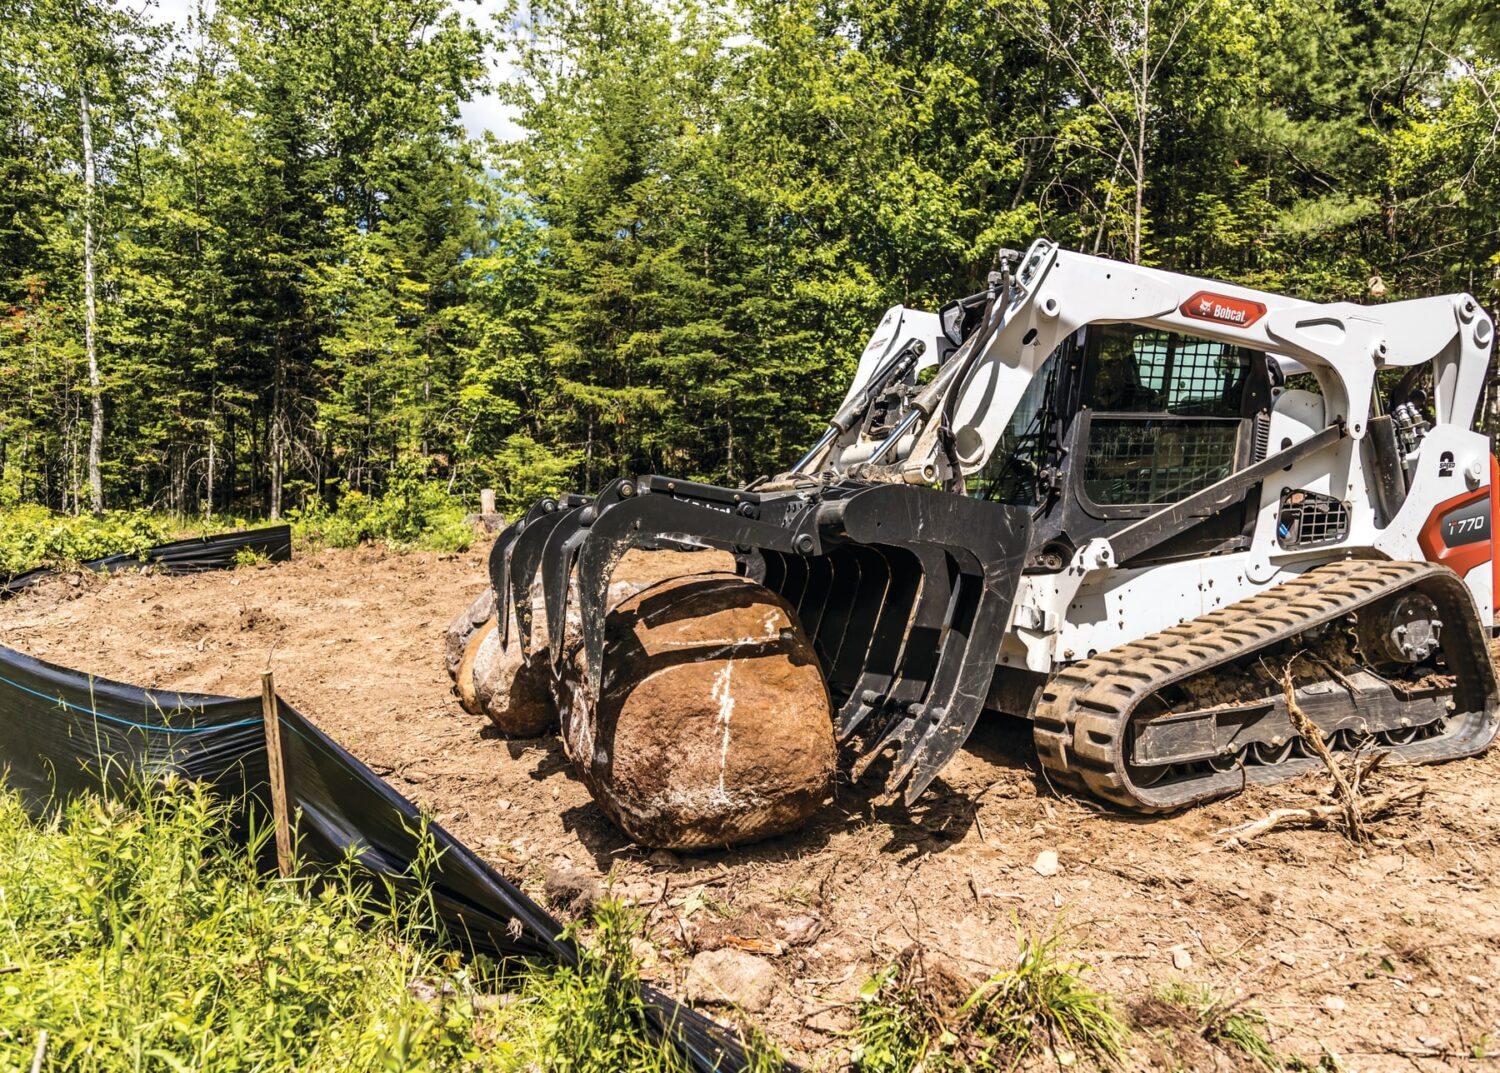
(713, 725)
(461, 630)
(516, 695)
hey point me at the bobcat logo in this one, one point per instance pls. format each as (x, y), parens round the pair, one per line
(1222, 309)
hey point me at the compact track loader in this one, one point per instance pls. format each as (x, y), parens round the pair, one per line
(1125, 504)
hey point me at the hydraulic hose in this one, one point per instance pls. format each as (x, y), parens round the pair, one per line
(936, 392)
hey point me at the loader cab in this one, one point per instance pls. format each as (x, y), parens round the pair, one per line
(1121, 420)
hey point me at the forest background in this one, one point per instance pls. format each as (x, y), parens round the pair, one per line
(252, 263)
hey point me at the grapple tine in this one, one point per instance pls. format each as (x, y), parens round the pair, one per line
(499, 569)
(559, 554)
(525, 558)
(597, 558)
(881, 658)
(972, 556)
(843, 590)
(822, 576)
(648, 517)
(962, 691)
(860, 617)
(500, 556)
(775, 571)
(557, 569)
(919, 650)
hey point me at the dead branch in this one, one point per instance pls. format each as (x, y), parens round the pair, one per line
(1374, 807)
(1348, 796)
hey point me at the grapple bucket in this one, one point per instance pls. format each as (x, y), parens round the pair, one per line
(905, 591)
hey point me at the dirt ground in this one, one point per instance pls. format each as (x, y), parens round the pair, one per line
(1387, 957)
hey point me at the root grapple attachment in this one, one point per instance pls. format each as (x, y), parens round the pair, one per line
(905, 591)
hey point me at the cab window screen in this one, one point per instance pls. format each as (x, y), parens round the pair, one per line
(1137, 462)
(1144, 370)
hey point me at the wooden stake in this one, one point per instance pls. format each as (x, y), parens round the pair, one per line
(269, 710)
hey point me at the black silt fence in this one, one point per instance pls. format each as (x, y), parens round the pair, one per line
(63, 732)
(179, 557)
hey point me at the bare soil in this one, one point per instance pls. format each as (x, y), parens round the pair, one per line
(1387, 957)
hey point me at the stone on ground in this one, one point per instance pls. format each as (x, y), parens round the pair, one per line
(516, 695)
(468, 696)
(713, 726)
(461, 629)
(730, 977)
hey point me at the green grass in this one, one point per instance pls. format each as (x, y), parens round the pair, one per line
(913, 1018)
(1233, 1028)
(143, 939)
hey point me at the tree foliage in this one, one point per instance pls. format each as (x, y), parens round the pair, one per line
(313, 282)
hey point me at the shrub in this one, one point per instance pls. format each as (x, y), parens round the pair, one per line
(32, 536)
(413, 512)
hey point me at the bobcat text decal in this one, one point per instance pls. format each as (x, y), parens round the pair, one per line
(1220, 308)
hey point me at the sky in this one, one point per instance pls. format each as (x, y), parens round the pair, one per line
(481, 114)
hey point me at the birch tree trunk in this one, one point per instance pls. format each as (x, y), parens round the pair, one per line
(90, 316)
(1143, 104)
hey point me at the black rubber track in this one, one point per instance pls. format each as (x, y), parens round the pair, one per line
(1082, 717)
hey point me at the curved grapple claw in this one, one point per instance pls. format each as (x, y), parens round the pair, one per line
(904, 591)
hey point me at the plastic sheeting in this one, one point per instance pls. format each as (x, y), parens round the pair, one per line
(181, 556)
(63, 732)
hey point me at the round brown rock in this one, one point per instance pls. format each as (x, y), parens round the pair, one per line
(461, 629)
(464, 680)
(713, 726)
(516, 695)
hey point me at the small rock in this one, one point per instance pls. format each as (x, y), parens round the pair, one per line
(416, 777)
(1181, 959)
(1334, 1004)
(568, 888)
(644, 953)
(798, 929)
(1286, 959)
(1046, 863)
(730, 977)
(835, 1022)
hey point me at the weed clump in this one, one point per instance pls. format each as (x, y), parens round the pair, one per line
(915, 1016)
(1230, 1026)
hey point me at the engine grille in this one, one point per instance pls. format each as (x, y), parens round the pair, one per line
(1309, 519)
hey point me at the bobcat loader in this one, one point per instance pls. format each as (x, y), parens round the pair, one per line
(1129, 505)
